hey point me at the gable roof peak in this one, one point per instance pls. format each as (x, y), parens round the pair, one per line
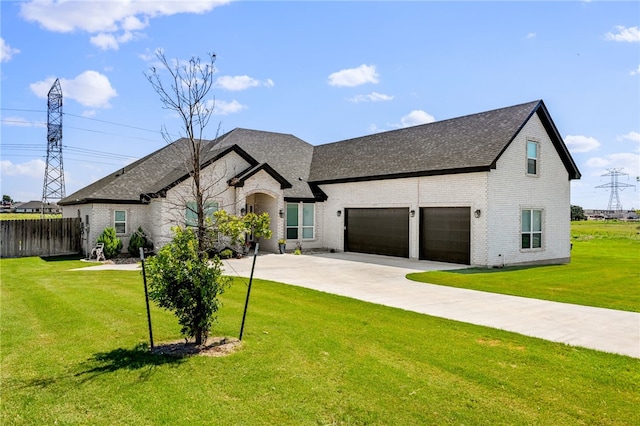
(463, 144)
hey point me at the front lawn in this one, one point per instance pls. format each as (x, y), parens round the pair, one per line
(603, 272)
(72, 352)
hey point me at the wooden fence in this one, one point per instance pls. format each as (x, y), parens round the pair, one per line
(40, 237)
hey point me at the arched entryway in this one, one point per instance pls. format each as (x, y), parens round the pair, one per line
(262, 202)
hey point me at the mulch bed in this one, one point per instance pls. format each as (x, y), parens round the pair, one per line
(216, 346)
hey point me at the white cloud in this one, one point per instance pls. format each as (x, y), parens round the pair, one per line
(21, 122)
(632, 136)
(636, 71)
(532, 35)
(32, 168)
(630, 35)
(416, 117)
(117, 18)
(240, 82)
(226, 108)
(90, 89)
(106, 41)
(6, 51)
(629, 162)
(597, 162)
(371, 97)
(581, 143)
(352, 77)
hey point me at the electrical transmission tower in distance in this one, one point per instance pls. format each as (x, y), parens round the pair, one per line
(615, 186)
(53, 188)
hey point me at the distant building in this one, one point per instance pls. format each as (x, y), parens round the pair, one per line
(611, 214)
(36, 207)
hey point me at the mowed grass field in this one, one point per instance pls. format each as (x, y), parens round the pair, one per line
(26, 216)
(604, 271)
(73, 352)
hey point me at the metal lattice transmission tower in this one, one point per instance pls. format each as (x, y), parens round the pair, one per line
(615, 186)
(53, 189)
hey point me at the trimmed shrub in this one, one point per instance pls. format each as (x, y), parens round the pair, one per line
(226, 254)
(112, 244)
(139, 239)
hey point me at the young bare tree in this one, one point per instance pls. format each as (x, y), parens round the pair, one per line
(186, 92)
(182, 278)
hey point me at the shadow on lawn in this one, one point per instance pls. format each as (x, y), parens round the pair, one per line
(138, 358)
(473, 271)
(62, 257)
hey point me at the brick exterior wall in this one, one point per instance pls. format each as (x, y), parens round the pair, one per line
(511, 190)
(459, 190)
(262, 194)
(500, 195)
(101, 216)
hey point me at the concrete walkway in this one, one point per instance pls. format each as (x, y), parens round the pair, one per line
(381, 280)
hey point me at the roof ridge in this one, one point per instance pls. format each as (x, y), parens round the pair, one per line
(266, 131)
(536, 102)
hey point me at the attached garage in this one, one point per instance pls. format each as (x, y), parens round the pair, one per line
(377, 231)
(445, 234)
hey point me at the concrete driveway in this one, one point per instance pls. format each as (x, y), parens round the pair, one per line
(381, 280)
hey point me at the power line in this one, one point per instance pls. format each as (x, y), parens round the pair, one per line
(111, 122)
(42, 124)
(81, 151)
(78, 116)
(22, 110)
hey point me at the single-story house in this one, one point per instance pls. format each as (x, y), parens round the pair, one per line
(487, 189)
(36, 207)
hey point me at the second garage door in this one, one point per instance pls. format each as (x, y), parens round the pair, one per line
(445, 234)
(377, 231)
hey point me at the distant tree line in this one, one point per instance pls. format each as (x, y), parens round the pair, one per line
(577, 213)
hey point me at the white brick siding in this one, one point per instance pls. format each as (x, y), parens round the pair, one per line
(510, 190)
(261, 193)
(459, 190)
(102, 216)
(499, 195)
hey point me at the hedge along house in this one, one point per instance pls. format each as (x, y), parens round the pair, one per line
(487, 189)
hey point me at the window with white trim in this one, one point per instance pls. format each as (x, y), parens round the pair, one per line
(532, 157)
(120, 221)
(191, 212)
(300, 221)
(531, 229)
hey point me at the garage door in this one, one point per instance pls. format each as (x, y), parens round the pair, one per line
(377, 231)
(445, 234)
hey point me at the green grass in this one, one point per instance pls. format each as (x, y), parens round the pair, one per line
(72, 353)
(26, 216)
(604, 271)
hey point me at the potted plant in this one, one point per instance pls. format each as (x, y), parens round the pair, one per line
(282, 245)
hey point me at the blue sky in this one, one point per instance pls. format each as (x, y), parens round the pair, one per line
(323, 71)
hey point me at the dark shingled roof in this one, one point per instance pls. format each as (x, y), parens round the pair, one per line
(460, 145)
(285, 157)
(286, 154)
(464, 144)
